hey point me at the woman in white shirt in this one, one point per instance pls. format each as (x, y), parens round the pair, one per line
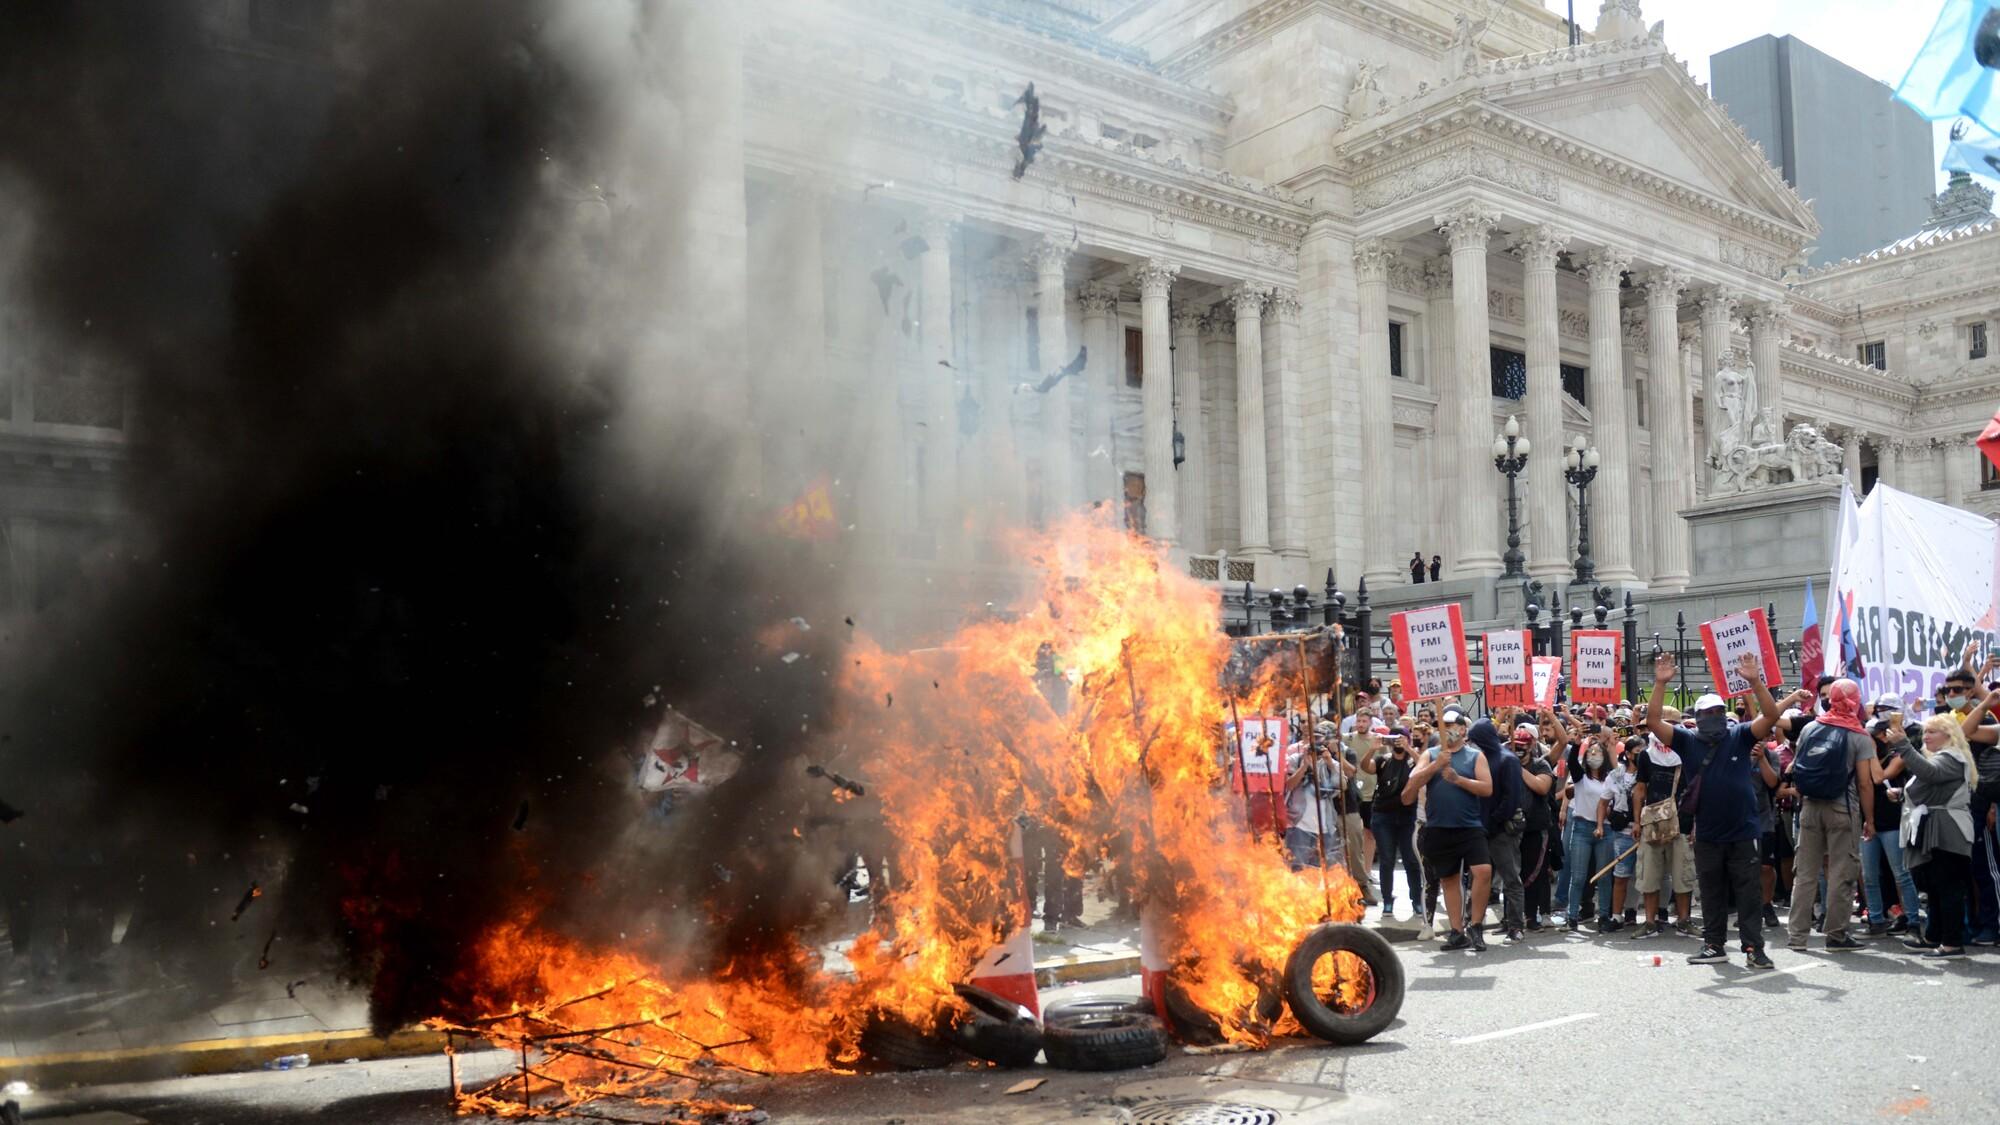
(1586, 844)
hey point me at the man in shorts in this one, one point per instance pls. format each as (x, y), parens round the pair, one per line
(1454, 780)
(1665, 855)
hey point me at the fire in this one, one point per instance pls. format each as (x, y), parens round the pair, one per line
(1096, 707)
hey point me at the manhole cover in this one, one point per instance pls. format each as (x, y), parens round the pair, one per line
(1197, 1112)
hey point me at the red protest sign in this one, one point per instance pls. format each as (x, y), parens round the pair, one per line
(1430, 652)
(1509, 676)
(1727, 640)
(1595, 656)
(1548, 669)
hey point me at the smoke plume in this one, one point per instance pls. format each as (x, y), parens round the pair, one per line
(439, 472)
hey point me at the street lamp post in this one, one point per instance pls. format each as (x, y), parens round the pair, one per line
(1580, 467)
(1510, 456)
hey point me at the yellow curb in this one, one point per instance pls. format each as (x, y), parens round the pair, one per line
(213, 1056)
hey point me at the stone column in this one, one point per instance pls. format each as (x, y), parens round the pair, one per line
(1381, 558)
(1282, 423)
(1156, 283)
(1252, 483)
(1767, 331)
(1718, 317)
(1453, 445)
(1100, 334)
(1889, 463)
(1193, 476)
(1000, 366)
(1058, 455)
(1691, 376)
(1961, 474)
(1850, 459)
(1547, 491)
(1468, 227)
(1611, 494)
(1219, 382)
(940, 441)
(1668, 406)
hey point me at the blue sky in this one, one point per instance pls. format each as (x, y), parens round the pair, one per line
(1877, 37)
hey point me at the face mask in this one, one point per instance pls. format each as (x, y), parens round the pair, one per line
(1595, 759)
(1453, 736)
(1955, 702)
(1712, 725)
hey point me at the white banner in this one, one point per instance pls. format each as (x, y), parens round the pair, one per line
(1913, 592)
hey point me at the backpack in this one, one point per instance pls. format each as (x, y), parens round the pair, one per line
(1660, 821)
(1821, 769)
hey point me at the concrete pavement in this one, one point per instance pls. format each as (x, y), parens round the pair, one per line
(1871, 1036)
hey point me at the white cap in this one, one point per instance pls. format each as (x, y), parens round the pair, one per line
(1793, 713)
(1890, 700)
(1708, 701)
(1454, 715)
(1532, 730)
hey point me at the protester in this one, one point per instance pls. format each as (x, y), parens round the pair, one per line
(1720, 755)
(1585, 846)
(1982, 731)
(1834, 772)
(1937, 827)
(1612, 892)
(1393, 816)
(1506, 814)
(1666, 857)
(1454, 779)
(1312, 784)
(1886, 846)
(1538, 777)
(1777, 805)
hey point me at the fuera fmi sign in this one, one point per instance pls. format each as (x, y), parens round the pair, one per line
(1430, 652)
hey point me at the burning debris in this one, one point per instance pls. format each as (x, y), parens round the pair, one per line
(252, 895)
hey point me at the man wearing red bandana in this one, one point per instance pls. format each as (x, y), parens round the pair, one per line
(1834, 771)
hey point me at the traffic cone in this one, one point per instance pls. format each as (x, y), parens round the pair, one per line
(1152, 962)
(1008, 969)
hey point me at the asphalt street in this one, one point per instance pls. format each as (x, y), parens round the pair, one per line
(1563, 1024)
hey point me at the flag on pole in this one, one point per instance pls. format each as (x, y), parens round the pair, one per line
(1989, 440)
(1955, 71)
(1811, 659)
(1973, 151)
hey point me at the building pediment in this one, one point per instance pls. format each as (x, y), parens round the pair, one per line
(1625, 115)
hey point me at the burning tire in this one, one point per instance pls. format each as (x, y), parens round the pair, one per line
(1099, 1040)
(1194, 1026)
(996, 1029)
(1366, 985)
(893, 1040)
(1094, 1003)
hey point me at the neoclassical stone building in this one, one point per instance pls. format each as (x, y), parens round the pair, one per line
(1324, 249)
(1319, 251)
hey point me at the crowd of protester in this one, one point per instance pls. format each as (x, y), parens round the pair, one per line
(1814, 814)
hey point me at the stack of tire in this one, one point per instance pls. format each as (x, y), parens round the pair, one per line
(1121, 1032)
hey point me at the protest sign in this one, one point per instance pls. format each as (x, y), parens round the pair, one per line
(1548, 669)
(1508, 680)
(1430, 652)
(1729, 639)
(1595, 658)
(1263, 740)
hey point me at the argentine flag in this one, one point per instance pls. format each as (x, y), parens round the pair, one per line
(1955, 72)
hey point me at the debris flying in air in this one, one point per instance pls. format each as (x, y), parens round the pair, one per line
(252, 895)
(886, 283)
(1075, 365)
(1030, 138)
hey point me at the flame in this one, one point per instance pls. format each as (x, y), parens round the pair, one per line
(1096, 708)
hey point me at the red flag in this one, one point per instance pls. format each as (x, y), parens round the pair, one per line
(1989, 440)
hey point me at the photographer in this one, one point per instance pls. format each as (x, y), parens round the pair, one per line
(1393, 819)
(1311, 807)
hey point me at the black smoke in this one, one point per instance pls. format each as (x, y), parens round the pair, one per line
(389, 571)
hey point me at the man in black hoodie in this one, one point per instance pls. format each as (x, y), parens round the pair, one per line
(1506, 814)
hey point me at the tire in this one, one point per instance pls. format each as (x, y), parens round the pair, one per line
(996, 1029)
(1103, 1040)
(1091, 1003)
(1195, 1027)
(894, 1041)
(1313, 1013)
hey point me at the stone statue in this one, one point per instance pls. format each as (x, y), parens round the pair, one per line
(1735, 391)
(1464, 50)
(1746, 450)
(1810, 455)
(1358, 94)
(1619, 20)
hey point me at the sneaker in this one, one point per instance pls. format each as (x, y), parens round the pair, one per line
(1514, 937)
(1478, 939)
(1574, 926)
(1771, 917)
(1796, 944)
(1917, 945)
(1942, 954)
(1535, 926)
(1610, 926)
(1457, 940)
(1651, 930)
(1878, 929)
(1757, 962)
(1631, 916)
(1709, 955)
(1684, 928)
(1841, 943)
(1901, 925)
(1426, 931)
(1986, 937)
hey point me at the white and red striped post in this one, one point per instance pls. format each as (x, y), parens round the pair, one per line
(1152, 962)
(1008, 969)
